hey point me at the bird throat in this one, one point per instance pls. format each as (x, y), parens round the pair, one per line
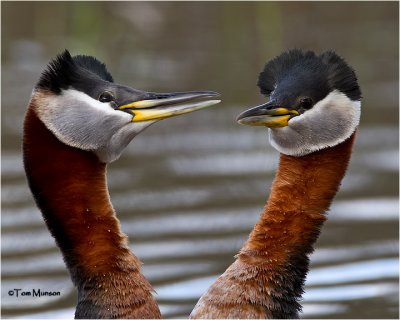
(266, 281)
(279, 245)
(69, 186)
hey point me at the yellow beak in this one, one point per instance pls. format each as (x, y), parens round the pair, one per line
(267, 115)
(164, 106)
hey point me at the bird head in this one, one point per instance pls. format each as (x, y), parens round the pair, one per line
(78, 101)
(314, 102)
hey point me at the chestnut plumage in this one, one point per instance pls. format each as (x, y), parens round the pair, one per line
(312, 115)
(78, 120)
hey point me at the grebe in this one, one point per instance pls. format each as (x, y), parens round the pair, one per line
(78, 120)
(312, 115)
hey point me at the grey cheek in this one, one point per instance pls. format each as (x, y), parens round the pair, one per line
(119, 140)
(88, 130)
(105, 133)
(84, 123)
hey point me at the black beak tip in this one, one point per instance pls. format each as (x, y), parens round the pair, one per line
(241, 116)
(254, 111)
(264, 109)
(211, 94)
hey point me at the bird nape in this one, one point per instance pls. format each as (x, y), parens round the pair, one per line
(77, 121)
(312, 114)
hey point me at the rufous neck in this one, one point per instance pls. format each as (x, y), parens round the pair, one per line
(69, 186)
(305, 187)
(290, 223)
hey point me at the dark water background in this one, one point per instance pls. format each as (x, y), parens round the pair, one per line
(188, 190)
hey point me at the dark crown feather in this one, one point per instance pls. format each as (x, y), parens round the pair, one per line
(328, 66)
(65, 70)
(340, 75)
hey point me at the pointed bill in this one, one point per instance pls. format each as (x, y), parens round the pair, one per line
(162, 106)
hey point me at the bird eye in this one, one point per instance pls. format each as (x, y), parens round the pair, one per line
(106, 96)
(306, 103)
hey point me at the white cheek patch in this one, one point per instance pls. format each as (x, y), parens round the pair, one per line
(331, 121)
(82, 122)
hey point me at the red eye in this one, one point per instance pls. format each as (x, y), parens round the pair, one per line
(306, 103)
(106, 96)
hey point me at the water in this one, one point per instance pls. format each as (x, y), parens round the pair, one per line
(189, 235)
(188, 190)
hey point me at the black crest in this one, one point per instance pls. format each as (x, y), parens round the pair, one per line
(65, 70)
(326, 72)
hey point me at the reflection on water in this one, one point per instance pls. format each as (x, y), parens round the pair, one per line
(188, 190)
(189, 235)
